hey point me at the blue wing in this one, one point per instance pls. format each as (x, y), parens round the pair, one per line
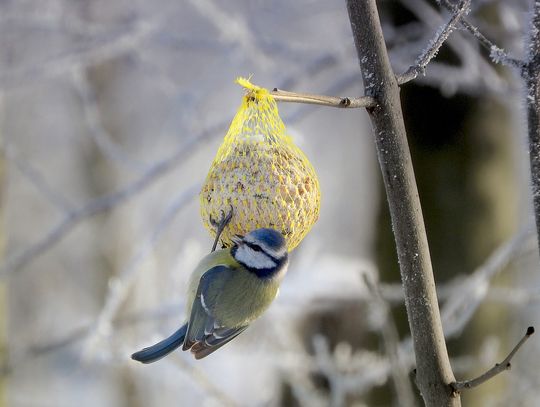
(161, 349)
(205, 334)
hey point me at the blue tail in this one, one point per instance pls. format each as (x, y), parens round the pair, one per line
(161, 349)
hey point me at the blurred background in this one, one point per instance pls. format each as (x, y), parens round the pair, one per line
(110, 115)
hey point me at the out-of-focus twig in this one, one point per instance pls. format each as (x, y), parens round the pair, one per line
(202, 379)
(82, 333)
(104, 203)
(103, 47)
(462, 296)
(467, 294)
(346, 370)
(390, 336)
(95, 126)
(76, 335)
(495, 370)
(120, 285)
(233, 28)
(436, 43)
(36, 178)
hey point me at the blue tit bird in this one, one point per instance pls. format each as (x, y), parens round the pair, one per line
(228, 290)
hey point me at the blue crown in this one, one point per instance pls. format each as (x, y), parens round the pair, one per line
(272, 238)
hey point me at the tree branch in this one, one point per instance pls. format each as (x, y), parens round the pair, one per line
(497, 54)
(331, 101)
(435, 44)
(495, 370)
(119, 286)
(531, 76)
(434, 373)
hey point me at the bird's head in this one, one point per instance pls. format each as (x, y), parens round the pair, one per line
(262, 251)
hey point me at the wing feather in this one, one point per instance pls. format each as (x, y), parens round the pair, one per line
(205, 334)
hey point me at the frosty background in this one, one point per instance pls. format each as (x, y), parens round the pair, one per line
(110, 115)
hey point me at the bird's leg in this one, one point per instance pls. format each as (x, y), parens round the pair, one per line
(220, 225)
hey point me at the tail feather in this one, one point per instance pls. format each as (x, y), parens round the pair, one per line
(161, 349)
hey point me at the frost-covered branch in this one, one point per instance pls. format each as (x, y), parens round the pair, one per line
(435, 44)
(531, 78)
(497, 54)
(473, 75)
(433, 365)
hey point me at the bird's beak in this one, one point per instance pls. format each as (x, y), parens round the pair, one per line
(237, 239)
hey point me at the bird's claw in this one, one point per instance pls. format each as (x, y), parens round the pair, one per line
(221, 224)
(223, 220)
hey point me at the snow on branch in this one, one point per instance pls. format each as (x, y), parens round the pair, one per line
(531, 78)
(435, 44)
(497, 54)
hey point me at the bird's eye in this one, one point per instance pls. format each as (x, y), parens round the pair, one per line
(254, 247)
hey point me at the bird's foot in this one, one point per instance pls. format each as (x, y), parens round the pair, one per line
(220, 225)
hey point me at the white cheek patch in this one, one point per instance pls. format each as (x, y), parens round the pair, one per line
(253, 259)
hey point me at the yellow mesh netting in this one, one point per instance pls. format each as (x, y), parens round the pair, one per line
(260, 172)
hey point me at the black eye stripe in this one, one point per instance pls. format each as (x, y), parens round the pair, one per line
(254, 247)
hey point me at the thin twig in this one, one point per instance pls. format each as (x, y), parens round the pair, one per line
(94, 123)
(78, 334)
(474, 75)
(457, 387)
(331, 101)
(222, 18)
(390, 336)
(428, 54)
(497, 54)
(34, 175)
(104, 46)
(340, 85)
(120, 285)
(81, 333)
